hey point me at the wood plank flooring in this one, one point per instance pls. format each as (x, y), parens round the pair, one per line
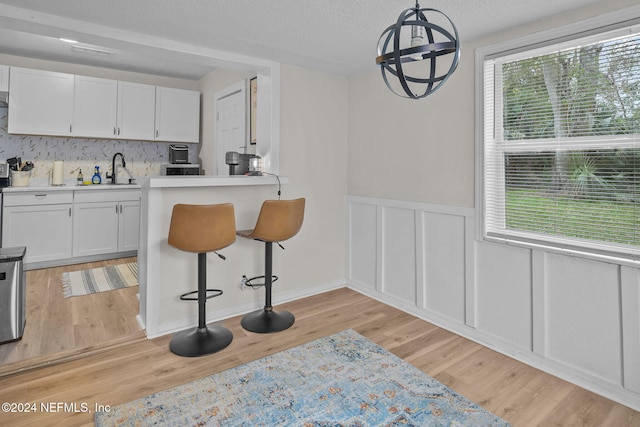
(520, 394)
(59, 327)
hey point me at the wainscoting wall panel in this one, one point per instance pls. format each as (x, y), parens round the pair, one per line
(582, 315)
(363, 235)
(572, 315)
(503, 293)
(631, 331)
(422, 255)
(443, 239)
(398, 254)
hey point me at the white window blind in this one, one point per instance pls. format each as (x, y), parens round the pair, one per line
(562, 144)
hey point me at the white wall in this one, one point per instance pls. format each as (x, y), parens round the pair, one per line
(313, 143)
(411, 189)
(313, 155)
(412, 150)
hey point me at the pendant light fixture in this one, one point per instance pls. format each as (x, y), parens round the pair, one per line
(422, 41)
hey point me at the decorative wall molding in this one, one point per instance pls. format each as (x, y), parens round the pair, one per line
(573, 317)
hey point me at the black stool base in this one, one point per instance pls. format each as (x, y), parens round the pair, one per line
(264, 322)
(200, 341)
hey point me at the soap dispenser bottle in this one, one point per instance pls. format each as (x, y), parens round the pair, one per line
(80, 179)
(96, 179)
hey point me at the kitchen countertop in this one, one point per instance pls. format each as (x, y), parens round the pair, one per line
(70, 185)
(156, 182)
(213, 181)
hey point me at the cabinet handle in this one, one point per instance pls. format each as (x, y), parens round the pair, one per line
(157, 133)
(69, 128)
(114, 130)
(116, 209)
(118, 131)
(40, 196)
(69, 212)
(120, 208)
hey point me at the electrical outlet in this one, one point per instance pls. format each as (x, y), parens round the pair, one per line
(243, 282)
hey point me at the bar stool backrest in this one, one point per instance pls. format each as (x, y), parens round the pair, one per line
(202, 228)
(279, 220)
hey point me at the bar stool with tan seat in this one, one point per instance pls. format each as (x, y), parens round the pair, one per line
(202, 229)
(279, 220)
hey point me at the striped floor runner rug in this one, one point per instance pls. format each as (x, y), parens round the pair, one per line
(102, 279)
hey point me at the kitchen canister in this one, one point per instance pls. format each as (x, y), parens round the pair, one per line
(20, 178)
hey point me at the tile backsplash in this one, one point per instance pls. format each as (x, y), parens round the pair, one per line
(143, 157)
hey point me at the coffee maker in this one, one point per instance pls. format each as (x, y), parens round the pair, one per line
(239, 163)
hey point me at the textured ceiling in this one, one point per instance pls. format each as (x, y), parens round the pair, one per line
(334, 36)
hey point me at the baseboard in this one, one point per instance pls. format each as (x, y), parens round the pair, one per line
(78, 260)
(240, 309)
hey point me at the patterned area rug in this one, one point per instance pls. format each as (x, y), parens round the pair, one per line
(340, 380)
(102, 279)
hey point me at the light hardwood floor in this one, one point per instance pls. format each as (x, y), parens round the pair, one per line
(58, 327)
(520, 394)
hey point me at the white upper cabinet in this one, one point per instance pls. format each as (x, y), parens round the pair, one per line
(4, 78)
(136, 111)
(177, 115)
(40, 102)
(95, 107)
(48, 103)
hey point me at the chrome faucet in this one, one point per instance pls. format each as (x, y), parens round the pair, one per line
(114, 173)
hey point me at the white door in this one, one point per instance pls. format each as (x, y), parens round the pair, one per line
(231, 124)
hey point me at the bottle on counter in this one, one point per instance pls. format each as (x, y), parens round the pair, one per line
(96, 179)
(80, 179)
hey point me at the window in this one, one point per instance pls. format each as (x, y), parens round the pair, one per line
(562, 144)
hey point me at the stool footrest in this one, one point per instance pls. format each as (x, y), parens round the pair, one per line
(214, 293)
(274, 278)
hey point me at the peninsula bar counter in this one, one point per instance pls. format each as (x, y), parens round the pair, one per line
(165, 272)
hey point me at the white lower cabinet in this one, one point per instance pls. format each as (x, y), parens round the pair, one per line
(62, 225)
(95, 228)
(128, 225)
(105, 222)
(41, 221)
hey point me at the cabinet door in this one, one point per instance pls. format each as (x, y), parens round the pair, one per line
(136, 111)
(129, 226)
(45, 230)
(4, 78)
(95, 106)
(40, 102)
(95, 228)
(177, 115)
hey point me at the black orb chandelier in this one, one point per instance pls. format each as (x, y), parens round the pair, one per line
(430, 42)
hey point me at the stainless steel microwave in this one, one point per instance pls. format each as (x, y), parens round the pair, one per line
(179, 169)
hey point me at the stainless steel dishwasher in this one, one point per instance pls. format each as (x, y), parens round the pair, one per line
(12, 293)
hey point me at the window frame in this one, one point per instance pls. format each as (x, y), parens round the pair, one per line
(525, 45)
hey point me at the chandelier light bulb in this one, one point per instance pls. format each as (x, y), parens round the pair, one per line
(417, 39)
